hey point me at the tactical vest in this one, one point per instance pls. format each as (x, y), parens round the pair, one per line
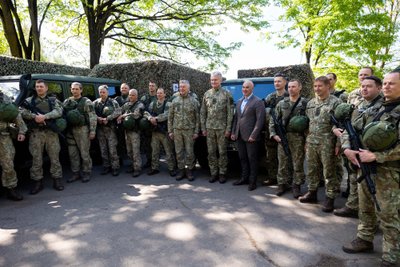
(41, 107)
(99, 107)
(287, 113)
(79, 105)
(157, 110)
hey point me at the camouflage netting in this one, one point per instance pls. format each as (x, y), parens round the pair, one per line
(16, 66)
(164, 73)
(302, 72)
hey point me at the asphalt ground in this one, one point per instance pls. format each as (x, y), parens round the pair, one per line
(157, 221)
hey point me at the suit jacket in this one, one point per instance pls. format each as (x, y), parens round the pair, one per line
(251, 121)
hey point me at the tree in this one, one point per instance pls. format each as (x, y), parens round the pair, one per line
(23, 43)
(164, 29)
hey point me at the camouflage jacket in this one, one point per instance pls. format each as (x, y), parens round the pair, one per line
(355, 98)
(111, 104)
(184, 114)
(270, 103)
(85, 107)
(134, 109)
(389, 158)
(282, 112)
(19, 122)
(50, 107)
(216, 110)
(319, 113)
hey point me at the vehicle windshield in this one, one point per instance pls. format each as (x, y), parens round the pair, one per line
(10, 89)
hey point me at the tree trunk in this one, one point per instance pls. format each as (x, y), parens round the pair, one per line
(10, 31)
(34, 33)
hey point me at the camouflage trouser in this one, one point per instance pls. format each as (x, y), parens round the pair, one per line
(322, 155)
(216, 141)
(184, 148)
(38, 141)
(339, 166)
(157, 139)
(133, 149)
(388, 196)
(271, 150)
(296, 146)
(352, 199)
(7, 152)
(108, 146)
(79, 148)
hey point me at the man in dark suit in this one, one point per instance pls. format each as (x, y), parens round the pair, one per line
(247, 125)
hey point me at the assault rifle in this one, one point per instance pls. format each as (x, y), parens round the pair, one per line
(367, 169)
(281, 132)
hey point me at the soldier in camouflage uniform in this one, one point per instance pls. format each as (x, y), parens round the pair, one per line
(371, 92)
(342, 95)
(322, 145)
(157, 114)
(40, 112)
(107, 110)
(216, 116)
(122, 99)
(355, 96)
(183, 128)
(387, 179)
(271, 146)
(79, 136)
(146, 99)
(135, 109)
(7, 152)
(291, 106)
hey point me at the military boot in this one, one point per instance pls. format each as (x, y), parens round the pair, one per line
(181, 175)
(189, 175)
(358, 245)
(86, 176)
(57, 184)
(222, 178)
(14, 194)
(105, 170)
(309, 197)
(115, 172)
(328, 205)
(346, 212)
(282, 189)
(296, 191)
(75, 176)
(37, 187)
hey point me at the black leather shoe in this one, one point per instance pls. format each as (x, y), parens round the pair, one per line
(241, 182)
(115, 172)
(37, 187)
(152, 172)
(105, 170)
(213, 179)
(57, 184)
(252, 187)
(14, 194)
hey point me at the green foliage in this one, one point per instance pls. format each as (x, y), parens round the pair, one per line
(342, 35)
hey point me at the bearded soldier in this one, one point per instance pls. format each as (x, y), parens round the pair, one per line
(107, 110)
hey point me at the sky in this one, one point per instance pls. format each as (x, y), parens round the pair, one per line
(257, 51)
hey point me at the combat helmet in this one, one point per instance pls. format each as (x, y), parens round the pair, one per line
(107, 111)
(61, 124)
(343, 111)
(75, 118)
(379, 135)
(129, 123)
(298, 124)
(8, 112)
